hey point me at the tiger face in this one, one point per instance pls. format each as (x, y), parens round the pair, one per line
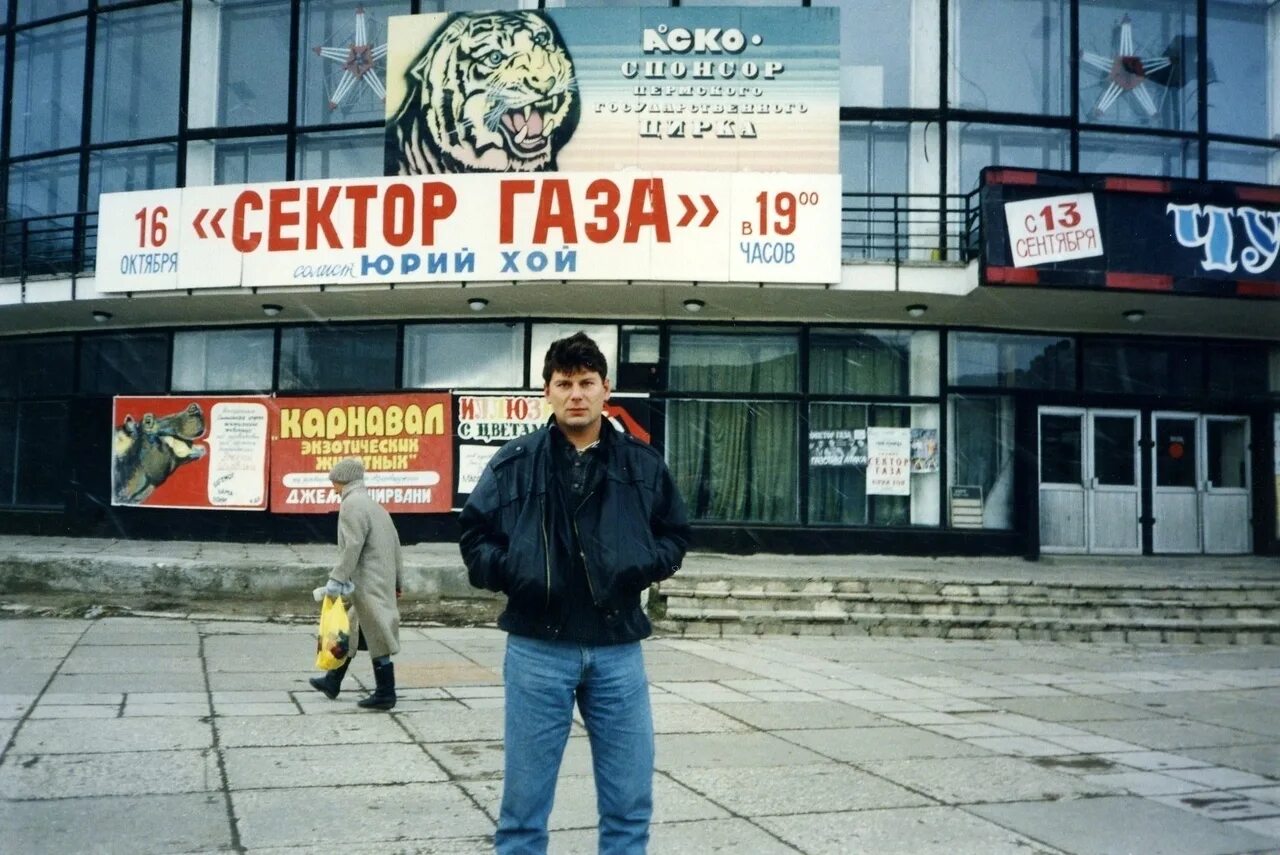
(491, 92)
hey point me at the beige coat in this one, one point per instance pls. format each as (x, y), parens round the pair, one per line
(369, 556)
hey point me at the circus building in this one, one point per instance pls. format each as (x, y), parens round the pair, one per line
(924, 277)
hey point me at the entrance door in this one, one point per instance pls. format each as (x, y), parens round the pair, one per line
(1227, 486)
(1090, 496)
(1201, 488)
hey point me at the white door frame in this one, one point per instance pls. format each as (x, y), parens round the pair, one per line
(1187, 494)
(1212, 494)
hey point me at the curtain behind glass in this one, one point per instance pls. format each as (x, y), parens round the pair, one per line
(210, 360)
(982, 454)
(48, 88)
(734, 460)
(463, 356)
(338, 358)
(135, 74)
(714, 362)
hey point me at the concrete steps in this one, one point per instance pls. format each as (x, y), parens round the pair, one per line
(722, 604)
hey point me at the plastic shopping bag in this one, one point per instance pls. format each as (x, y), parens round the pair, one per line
(333, 640)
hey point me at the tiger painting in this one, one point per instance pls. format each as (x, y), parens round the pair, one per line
(490, 92)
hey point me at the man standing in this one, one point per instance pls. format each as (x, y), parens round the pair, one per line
(368, 573)
(572, 523)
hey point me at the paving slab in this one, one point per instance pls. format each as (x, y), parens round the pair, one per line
(325, 766)
(824, 714)
(974, 780)
(339, 817)
(450, 721)
(267, 731)
(859, 744)
(51, 776)
(1171, 734)
(147, 681)
(141, 825)
(695, 718)
(1122, 825)
(1260, 759)
(93, 736)
(1065, 708)
(725, 750)
(829, 787)
(901, 831)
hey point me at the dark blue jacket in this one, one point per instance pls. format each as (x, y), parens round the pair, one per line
(632, 534)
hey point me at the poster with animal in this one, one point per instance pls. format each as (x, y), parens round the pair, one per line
(723, 89)
(190, 452)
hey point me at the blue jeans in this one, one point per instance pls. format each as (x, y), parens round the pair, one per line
(542, 680)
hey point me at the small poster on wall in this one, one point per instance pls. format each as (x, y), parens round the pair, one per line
(924, 450)
(838, 447)
(888, 461)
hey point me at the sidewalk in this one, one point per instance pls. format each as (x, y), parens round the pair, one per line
(144, 735)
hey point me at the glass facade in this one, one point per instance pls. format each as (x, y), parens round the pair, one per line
(763, 424)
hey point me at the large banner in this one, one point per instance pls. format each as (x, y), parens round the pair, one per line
(190, 452)
(1131, 234)
(685, 226)
(404, 440)
(598, 144)
(599, 90)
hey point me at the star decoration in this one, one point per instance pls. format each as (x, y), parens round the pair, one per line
(359, 60)
(1125, 73)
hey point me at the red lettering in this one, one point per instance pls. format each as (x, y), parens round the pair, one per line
(656, 216)
(555, 211)
(362, 195)
(320, 217)
(506, 208)
(279, 218)
(438, 201)
(606, 226)
(397, 215)
(242, 240)
(466, 409)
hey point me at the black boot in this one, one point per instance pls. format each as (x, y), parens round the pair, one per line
(331, 682)
(384, 695)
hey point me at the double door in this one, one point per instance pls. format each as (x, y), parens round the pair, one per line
(1201, 490)
(1090, 482)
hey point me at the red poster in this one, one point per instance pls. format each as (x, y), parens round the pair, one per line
(405, 442)
(190, 451)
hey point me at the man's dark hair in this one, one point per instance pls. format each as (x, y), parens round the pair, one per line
(572, 355)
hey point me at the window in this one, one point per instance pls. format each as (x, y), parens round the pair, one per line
(334, 37)
(147, 167)
(135, 75)
(764, 361)
(34, 10)
(605, 337)
(36, 367)
(38, 188)
(338, 358)
(873, 362)
(1012, 361)
(1024, 70)
(1155, 42)
(463, 356)
(250, 41)
(887, 58)
(1242, 68)
(1251, 164)
(349, 154)
(638, 359)
(223, 360)
(34, 437)
(841, 451)
(981, 454)
(1237, 371)
(1135, 155)
(243, 161)
(48, 88)
(126, 364)
(1143, 369)
(735, 459)
(1002, 145)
